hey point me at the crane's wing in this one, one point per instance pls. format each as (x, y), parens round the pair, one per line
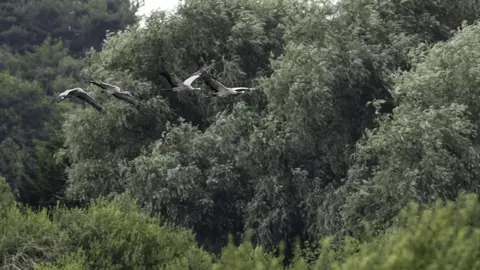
(193, 77)
(105, 85)
(127, 98)
(172, 80)
(67, 92)
(214, 84)
(98, 84)
(242, 88)
(89, 99)
(176, 80)
(190, 80)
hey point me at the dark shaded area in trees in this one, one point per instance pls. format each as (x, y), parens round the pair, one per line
(43, 45)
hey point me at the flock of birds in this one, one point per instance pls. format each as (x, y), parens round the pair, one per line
(176, 85)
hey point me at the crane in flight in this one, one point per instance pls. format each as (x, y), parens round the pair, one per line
(177, 84)
(80, 94)
(115, 91)
(220, 89)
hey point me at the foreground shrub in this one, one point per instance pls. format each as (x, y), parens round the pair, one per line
(446, 236)
(107, 235)
(117, 235)
(26, 237)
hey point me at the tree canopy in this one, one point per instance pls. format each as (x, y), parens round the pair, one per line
(362, 132)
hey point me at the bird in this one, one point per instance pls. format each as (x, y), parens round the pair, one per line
(117, 92)
(81, 94)
(220, 89)
(177, 84)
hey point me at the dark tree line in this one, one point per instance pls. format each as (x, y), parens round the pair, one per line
(43, 44)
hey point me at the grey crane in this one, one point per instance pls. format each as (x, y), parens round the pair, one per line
(117, 92)
(220, 89)
(81, 94)
(177, 84)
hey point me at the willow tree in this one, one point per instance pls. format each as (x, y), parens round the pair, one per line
(429, 150)
(274, 160)
(112, 153)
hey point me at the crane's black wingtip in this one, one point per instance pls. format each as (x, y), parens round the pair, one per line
(99, 85)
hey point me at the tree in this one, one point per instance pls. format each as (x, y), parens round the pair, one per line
(429, 150)
(49, 64)
(444, 235)
(281, 155)
(24, 115)
(107, 234)
(82, 24)
(42, 47)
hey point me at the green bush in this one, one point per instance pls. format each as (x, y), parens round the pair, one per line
(107, 235)
(71, 261)
(446, 236)
(6, 196)
(26, 237)
(117, 235)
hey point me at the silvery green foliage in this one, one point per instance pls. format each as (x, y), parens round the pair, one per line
(112, 153)
(429, 150)
(281, 169)
(96, 144)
